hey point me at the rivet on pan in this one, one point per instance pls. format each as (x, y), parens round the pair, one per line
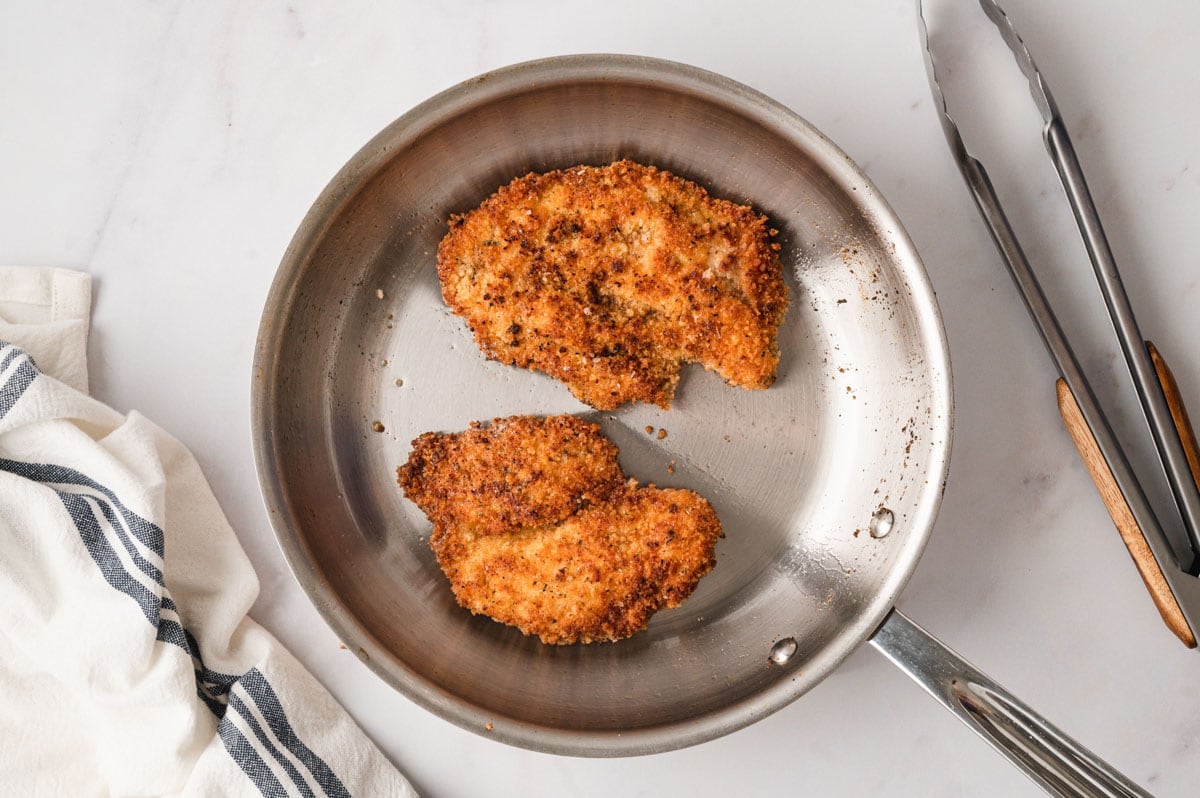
(881, 522)
(783, 650)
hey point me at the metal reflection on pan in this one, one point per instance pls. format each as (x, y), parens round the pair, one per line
(859, 416)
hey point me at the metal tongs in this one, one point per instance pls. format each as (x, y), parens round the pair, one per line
(1172, 581)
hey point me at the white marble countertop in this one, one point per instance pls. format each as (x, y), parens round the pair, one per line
(172, 148)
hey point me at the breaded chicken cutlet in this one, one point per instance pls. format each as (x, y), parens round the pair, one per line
(536, 527)
(611, 278)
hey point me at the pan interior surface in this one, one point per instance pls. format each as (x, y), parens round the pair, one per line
(856, 427)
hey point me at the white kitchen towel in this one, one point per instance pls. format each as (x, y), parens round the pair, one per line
(128, 665)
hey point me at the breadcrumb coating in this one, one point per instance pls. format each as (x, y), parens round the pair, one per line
(611, 278)
(536, 527)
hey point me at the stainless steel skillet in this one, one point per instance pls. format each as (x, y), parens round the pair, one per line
(827, 484)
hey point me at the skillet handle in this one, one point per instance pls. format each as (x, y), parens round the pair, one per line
(1058, 764)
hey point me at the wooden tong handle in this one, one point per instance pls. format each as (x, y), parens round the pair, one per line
(1179, 414)
(1114, 501)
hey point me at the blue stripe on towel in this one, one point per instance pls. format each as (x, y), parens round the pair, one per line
(249, 761)
(89, 529)
(150, 535)
(106, 559)
(14, 352)
(265, 741)
(257, 687)
(144, 565)
(14, 387)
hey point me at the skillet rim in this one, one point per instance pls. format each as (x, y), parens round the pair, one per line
(439, 109)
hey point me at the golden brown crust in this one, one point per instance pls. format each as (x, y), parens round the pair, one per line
(600, 557)
(520, 471)
(611, 278)
(597, 575)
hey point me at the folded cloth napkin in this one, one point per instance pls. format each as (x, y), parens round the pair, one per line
(128, 664)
